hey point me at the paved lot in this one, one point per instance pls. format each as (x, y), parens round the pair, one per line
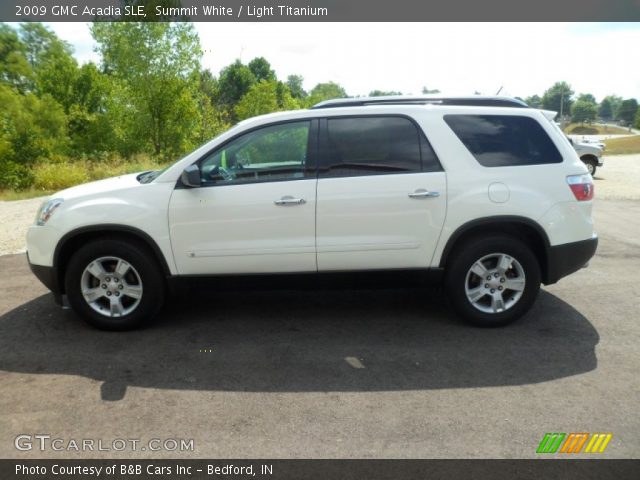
(334, 374)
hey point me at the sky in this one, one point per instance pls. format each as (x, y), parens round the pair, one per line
(457, 58)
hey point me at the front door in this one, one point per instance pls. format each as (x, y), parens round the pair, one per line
(255, 210)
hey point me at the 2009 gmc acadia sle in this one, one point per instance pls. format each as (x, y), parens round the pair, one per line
(481, 193)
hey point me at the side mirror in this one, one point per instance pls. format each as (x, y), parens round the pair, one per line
(191, 176)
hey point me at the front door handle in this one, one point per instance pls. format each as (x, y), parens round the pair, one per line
(423, 193)
(289, 200)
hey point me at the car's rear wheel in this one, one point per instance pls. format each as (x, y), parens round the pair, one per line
(492, 281)
(114, 284)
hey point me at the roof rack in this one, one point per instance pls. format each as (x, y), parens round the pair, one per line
(472, 100)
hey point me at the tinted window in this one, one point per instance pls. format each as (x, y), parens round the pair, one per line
(504, 140)
(274, 153)
(430, 162)
(372, 145)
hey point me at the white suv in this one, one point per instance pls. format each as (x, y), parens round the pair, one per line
(481, 193)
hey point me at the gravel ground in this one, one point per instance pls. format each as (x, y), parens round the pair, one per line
(16, 217)
(619, 179)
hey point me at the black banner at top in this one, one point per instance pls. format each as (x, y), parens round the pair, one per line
(318, 10)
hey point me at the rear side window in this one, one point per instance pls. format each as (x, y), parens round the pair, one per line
(504, 140)
(372, 145)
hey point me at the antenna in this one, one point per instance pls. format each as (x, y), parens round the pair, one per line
(499, 90)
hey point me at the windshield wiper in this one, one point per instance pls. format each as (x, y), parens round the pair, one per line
(146, 177)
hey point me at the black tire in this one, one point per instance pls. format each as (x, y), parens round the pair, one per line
(145, 274)
(458, 277)
(591, 166)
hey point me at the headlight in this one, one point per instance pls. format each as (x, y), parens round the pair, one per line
(47, 209)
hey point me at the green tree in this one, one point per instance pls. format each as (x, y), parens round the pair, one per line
(91, 125)
(383, 93)
(265, 97)
(15, 70)
(261, 69)
(294, 82)
(124, 117)
(284, 98)
(638, 119)
(583, 111)
(32, 129)
(208, 85)
(38, 39)
(325, 91)
(614, 101)
(55, 69)
(214, 120)
(587, 97)
(627, 110)
(558, 98)
(605, 110)
(534, 101)
(426, 91)
(156, 65)
(234, 82)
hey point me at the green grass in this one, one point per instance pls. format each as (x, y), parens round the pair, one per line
(594, 129)
(10, 195)
(54, 176)
(622, 146)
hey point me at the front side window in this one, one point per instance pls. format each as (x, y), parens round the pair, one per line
(274, 153)
(371, 145)
(504, 140)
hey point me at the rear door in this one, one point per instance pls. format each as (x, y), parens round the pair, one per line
(381, 199)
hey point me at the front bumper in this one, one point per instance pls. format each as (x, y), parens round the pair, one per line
(49, 278)
(563, 260)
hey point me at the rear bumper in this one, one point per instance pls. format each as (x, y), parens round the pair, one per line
(563, 260)
(49, 278)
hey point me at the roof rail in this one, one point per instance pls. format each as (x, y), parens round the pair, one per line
(471, 100)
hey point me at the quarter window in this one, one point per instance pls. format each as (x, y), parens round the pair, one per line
(504, 140)
(371, 145)
(274, 153)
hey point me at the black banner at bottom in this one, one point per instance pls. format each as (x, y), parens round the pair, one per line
(320, 469)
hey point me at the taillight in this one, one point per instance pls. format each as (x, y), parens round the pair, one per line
(581, 186)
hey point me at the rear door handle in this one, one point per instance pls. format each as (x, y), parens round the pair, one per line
(289, 200)
(423, 193)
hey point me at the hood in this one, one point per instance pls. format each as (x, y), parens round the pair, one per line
(587, 147)
(107, 185)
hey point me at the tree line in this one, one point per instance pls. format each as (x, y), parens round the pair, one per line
(149, 95)
(584, 108)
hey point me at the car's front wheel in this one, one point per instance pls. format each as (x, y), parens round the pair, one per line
(114, 284)
(492, 281)
(591, 166)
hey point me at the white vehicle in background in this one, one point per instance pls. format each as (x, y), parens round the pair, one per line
(590, 153)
